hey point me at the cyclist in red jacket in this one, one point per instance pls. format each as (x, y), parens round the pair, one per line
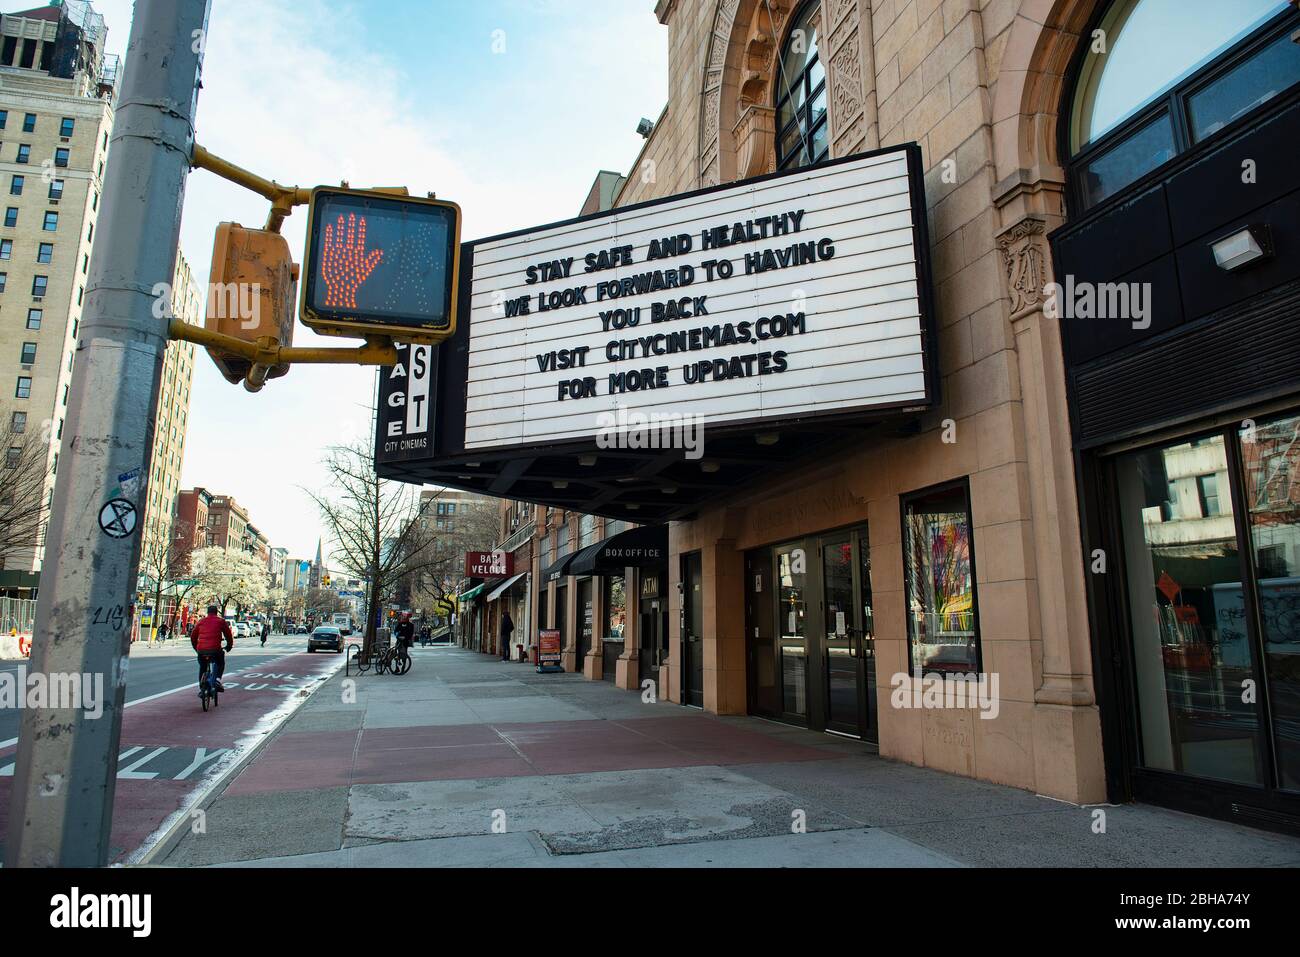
(207, 638)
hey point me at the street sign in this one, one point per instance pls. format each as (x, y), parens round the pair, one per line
(381, 264)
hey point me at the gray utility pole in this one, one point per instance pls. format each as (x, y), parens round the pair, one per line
(66, 771)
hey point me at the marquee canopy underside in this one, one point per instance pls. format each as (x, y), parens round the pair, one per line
(648, 485)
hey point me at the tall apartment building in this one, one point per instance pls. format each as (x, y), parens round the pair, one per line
(56, 117)
(172, 413)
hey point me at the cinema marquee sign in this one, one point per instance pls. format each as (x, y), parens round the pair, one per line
(791, 295)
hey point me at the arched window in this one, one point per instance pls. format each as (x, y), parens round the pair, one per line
(1160, 76)
(802, 137)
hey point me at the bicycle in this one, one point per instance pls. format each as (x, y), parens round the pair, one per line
(209, 693)
(397, 660)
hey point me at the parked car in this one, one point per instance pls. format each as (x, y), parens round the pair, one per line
(326, 636)
(239, 629)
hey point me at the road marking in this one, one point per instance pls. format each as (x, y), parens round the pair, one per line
(162, 694)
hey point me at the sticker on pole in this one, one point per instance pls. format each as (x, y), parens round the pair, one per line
(118, 518)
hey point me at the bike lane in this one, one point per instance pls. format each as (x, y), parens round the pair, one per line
(171, 749)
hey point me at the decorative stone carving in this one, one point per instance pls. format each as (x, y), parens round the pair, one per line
(839, 10)
(846, 84)
(755, 136)
(1024, 259)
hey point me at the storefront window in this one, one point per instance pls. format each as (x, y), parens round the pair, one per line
(615, 607)
(586, 531)
(942, 620)
(1191, 640)
(1270, 457)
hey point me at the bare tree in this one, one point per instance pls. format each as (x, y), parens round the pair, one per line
(22, 486)
(476, 528)
(164, 556)
(376, 526)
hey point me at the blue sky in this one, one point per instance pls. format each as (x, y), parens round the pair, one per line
(403, 92)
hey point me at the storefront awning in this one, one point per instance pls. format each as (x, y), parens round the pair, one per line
(642, 547)
(472, 593)
(502, 588)
(559, 568)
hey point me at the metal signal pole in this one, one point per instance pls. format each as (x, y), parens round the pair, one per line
(65, 776)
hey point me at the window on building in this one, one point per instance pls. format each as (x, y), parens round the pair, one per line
(6, 248)
(85, 264)
(90, 234)
(11, 216)
(61, 156)
(65, 395)
(28, 354)
(51, 222)
(45, 253)
(4, 118)
(56, 189)
(1207, 489)
(803, 136)
(18, 423)
(94, 203)
(40, 284)
(67, 126)
(1166, 81)
(13, 457)
(16, 185)
(939, 576)
(24, 153)
(34, 317)
(29, 123)
(81, 294)
(4, 280)
(24, 390)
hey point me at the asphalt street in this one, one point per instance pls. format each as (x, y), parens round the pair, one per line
(166, 668)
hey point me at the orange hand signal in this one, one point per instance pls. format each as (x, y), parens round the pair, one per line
(345, 265)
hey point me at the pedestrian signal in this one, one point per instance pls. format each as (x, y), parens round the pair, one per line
(381, 264)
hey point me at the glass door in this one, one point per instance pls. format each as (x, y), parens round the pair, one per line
(841, 642)
(693, 630)
(792, 627)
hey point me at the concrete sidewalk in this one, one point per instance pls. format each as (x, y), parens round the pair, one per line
(471, 761)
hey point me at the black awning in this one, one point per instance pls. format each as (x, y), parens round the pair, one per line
(644, 547)
(558, 569)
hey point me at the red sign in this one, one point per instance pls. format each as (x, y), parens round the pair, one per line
(549, 652)
(1168, 586)
(489, 564)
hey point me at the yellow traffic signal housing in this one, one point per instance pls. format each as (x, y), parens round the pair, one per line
(379, 264)
(251, 295)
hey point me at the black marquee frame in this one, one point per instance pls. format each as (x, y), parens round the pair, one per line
(631, 484)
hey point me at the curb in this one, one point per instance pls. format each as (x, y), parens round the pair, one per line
(206, 795)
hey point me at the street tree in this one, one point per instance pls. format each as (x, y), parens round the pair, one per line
(22, 486)
(165, 549)
(374, 525)
(229, 576)
(475, 528)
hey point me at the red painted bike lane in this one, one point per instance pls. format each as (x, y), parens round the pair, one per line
(171, 748)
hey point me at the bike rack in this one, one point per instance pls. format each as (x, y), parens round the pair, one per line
(347, 664)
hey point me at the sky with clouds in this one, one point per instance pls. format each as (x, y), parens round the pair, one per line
(391, 93)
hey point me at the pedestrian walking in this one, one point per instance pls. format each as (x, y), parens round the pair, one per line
(266, 631)
(162, 631)
(507, 631)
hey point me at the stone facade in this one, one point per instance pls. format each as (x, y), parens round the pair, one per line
(976, 83)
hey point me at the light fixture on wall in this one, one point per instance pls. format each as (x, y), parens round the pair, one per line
(559, 485)
(1243, 248)
(645, 127)
(587, 461)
